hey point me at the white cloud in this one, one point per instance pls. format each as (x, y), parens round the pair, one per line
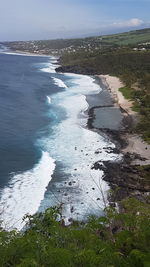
(128, 23)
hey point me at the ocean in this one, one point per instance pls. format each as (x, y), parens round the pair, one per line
(46, 149)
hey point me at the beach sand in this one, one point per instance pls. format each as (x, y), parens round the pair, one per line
(135, 142)
(114, 83)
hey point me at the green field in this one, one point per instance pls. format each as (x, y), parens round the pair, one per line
(59, 46)
(129, 38)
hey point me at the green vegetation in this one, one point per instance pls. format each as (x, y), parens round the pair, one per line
(123, 62)
(144, 171)
(141, 99)
(133, 67)
(139, 38)
(127, 92)
(109, 54)
(120, 55)
(129, 38)
(116, 240)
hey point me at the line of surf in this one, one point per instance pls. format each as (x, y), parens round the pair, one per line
(59, 82)
(24, 193)
(74, 146)
(49, 67)
(48, 99)
(23, 54)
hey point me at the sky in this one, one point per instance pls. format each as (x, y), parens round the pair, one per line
(50, 19)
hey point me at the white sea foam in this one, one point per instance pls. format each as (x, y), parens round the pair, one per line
(49, 100)
(22, 54)
(25, 192)
(49, 67)
(54, 60)
(84, 84)
(75, 146)
(59, 82)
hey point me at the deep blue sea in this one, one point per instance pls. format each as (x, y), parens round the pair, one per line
(46, 150)
(24, 112)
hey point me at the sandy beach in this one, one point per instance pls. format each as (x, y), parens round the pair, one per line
(135, 143)
(114, 83)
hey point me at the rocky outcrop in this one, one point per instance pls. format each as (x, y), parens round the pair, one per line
(77, 70)
(124, 178)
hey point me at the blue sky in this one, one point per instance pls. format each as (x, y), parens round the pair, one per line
(47, 19)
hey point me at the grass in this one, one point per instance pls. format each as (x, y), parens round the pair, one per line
(141, 105)
(127, 92)
(145, 173)
(129, 38)
(136, 107)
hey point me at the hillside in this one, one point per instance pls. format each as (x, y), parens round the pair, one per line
(134, 38)
(129, 38)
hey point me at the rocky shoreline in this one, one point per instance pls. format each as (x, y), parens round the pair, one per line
(124, 177)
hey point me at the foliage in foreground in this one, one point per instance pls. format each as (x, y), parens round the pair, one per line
(116, 240)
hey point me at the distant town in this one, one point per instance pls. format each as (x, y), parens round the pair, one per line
(136, 40)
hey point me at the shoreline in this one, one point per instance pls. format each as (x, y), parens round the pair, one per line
(25, 53)
(121, 174)
(135, 144)
(114, 133)
(124, 176)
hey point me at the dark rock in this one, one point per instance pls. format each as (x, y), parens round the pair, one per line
(72, 209)
(112, 204)
(98, 166)
(98, 152)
